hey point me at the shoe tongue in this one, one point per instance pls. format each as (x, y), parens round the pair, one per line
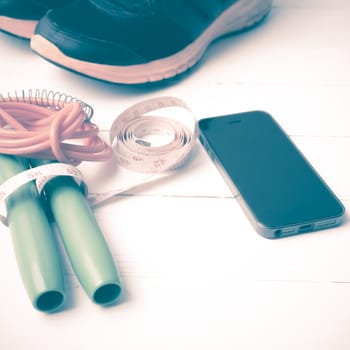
(125, 6)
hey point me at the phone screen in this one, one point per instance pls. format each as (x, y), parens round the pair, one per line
(281, 191)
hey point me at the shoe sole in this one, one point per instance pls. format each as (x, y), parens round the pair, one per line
(18, 27)
(240, 16)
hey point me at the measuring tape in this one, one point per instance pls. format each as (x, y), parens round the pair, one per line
(141, 141)
(131, 131)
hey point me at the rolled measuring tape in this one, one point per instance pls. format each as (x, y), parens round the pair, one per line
(133, 132)
(152, 136)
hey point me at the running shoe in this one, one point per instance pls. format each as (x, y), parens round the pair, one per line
(132, 42)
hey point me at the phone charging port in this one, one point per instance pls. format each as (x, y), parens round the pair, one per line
(305, 228)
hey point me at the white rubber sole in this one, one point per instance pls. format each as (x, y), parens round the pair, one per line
(19, 27)
(243, 14)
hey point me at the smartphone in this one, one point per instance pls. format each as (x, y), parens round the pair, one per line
(278, 189)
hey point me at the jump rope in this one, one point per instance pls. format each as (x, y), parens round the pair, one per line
(44, 136)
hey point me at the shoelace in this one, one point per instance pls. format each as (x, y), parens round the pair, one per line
(128, 6)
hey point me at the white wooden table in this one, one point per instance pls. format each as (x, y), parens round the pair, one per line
(196, 275)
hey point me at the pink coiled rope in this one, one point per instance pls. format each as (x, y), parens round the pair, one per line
(35, 128)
